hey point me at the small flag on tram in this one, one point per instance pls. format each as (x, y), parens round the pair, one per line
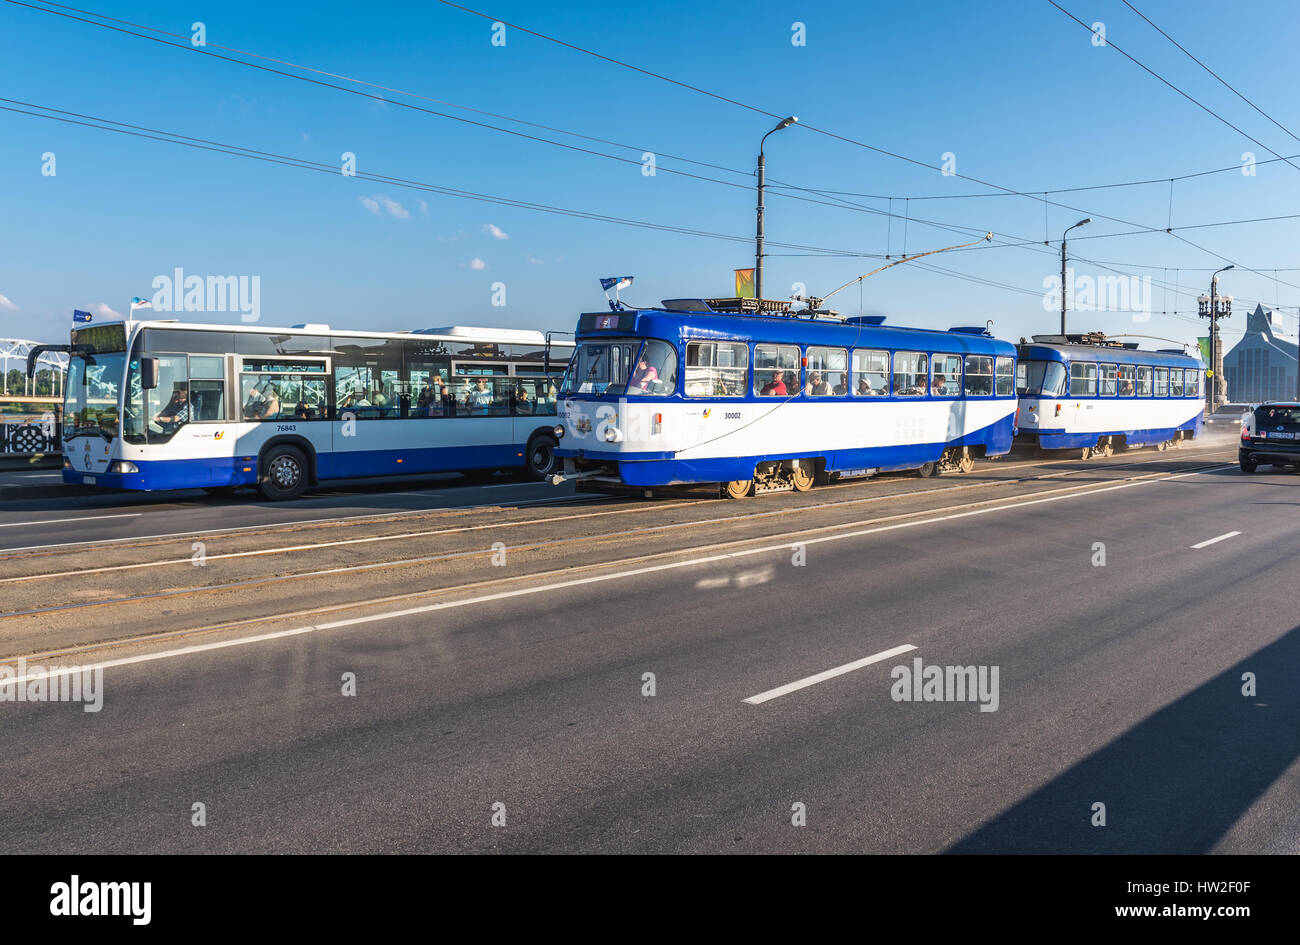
(616, 282)
(744, 283)
(79, 316)
(138, 302)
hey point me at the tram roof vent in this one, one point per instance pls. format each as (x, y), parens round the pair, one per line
(970, 330)
(865, 320)
(749, 306)
(686, 305)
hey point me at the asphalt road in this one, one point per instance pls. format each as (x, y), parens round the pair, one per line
(1118, 684)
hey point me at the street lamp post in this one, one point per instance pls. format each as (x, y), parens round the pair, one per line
(1213, 307)
(762, 182)
(1063, 235)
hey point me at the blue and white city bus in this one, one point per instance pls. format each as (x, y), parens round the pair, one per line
(1083, 393)
(761, 402)
(163, 405)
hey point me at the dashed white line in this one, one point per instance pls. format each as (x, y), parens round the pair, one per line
(1212, 541)
(827, 674)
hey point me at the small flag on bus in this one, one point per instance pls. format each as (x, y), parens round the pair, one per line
(138, 302)
(79, 316)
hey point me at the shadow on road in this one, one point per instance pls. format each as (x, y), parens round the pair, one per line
(1174, 783)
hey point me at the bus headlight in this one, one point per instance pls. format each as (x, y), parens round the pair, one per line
(123, 466)
(559, 431)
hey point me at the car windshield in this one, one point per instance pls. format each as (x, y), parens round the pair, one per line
(601, 367)
(1040, 378)
(91, 398)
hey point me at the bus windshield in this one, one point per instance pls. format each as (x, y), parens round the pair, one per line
(601, 367)
(1040, 379)
(92, 394)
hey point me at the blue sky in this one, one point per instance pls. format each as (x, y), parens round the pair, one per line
(1015, 90)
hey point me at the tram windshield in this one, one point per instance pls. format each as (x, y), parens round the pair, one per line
(1040, 379)
(621, 367)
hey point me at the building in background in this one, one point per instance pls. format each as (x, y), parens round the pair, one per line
(1262, 365)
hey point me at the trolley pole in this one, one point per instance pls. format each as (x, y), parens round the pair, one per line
(762, 183)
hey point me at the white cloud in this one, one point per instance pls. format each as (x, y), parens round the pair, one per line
(477, 264)
(424, 206)
(378, 204)
(494, 231)
(7, 305)
(105, 310)
(533, 259)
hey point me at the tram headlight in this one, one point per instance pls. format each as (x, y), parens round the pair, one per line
(559, 431)
(123, 466)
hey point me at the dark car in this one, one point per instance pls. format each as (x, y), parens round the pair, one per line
(1270, 434)
(1229, 416)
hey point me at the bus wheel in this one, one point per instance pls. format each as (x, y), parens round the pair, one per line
(928, 470)
(800, 478)
(284, 474)
(738, 488)
(967, 461)
(541, 457)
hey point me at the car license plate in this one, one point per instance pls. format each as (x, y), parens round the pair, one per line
(88, 480)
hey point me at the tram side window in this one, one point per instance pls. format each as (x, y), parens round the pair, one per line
(1125, 380)
(1193, 386)
(1143, 381)
(1175, 382)
(1107, 377)
(979, 375)
(946, 369)
(828, 372)
(655, 372)
(911, 373)
(1006, 379)
(1162, 382)
(871, 373)
(1083, 379)
(716, 368)
(776, 370)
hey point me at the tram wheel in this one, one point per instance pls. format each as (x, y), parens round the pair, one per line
(738, 488)
(928, 470)
(801, 479)
(1162, 446)
(1085, 453)
(1105, 449)
(967, 461)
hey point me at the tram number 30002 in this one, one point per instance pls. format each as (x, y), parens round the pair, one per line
(731, 416)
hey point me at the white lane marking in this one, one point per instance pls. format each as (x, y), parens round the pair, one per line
(826, 674)
(1212, 541)
(290, 523)
(575, 582)
(60, 521)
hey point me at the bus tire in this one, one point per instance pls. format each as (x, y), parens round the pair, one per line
(540, 458)
(283, 474)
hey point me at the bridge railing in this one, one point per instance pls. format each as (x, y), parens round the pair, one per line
(30, 426)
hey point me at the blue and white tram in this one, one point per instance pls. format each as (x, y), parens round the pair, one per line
(1099, 397)
(760, 402)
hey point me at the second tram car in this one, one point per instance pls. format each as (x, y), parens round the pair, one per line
(761, 401)
(1097, 396)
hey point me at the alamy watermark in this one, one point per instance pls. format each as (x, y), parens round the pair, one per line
(23, 683)
(921, 683)
(181, 293)
(1100, 294)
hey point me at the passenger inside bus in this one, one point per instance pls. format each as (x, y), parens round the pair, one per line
(479, 399)
(523, 404)
(263, 403)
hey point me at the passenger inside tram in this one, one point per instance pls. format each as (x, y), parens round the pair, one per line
(775, 387)
(816, 386)
(842, 387)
